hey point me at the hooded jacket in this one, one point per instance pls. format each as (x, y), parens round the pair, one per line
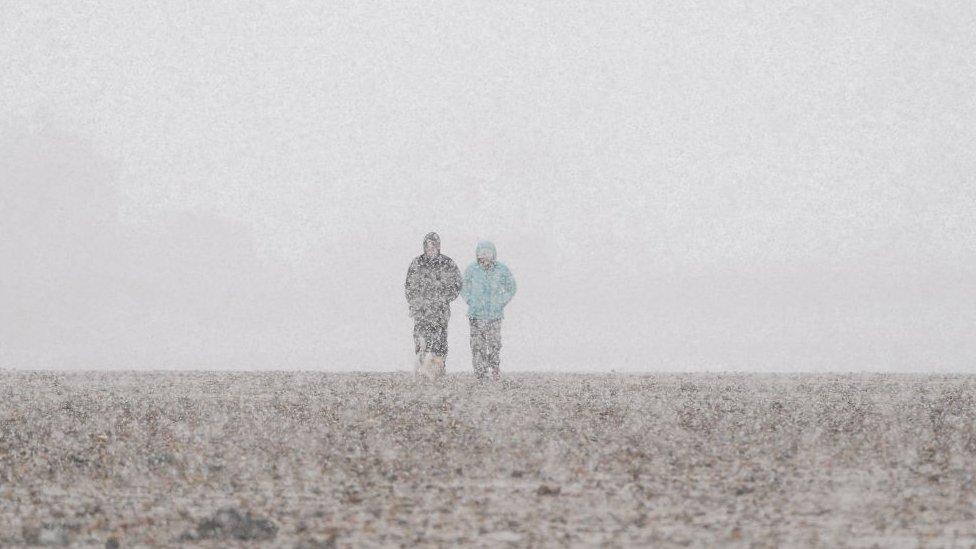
(431, 285)
(487, 291)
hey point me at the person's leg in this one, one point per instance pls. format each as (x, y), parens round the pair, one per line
(478, 358)
(493, 340)
(438, 348)
(438, 339)
(421, 337)
(425, 340)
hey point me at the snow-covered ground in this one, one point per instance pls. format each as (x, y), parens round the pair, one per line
(315, 459)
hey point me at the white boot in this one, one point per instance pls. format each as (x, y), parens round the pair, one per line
(439, 368)
(425, 365)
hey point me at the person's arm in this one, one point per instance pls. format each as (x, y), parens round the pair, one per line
(508, 286)
(411, 288)
(454, 282)
(466, 286)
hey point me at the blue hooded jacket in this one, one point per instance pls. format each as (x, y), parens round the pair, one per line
(487, 291)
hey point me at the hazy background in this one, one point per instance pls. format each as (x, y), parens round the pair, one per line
(770, 186)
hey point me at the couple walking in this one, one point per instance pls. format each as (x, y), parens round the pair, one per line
(434, 281)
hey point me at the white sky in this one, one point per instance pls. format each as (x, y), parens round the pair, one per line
(771, 186)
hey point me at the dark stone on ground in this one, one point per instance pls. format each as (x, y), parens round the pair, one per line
(229, 523)
(545, 490)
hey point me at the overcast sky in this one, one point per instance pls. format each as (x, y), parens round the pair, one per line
(770, 186)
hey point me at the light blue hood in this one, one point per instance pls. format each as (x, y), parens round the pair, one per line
(485, 246)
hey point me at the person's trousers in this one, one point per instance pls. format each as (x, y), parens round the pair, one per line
(486, 345)
(430, 337)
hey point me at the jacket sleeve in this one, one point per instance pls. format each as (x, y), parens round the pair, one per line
(454, 282)
(466, 286)
(508, 286)
(412, 288)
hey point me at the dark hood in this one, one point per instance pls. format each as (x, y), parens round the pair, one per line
(431, 237)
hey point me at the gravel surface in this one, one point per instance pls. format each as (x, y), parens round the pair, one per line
(119, 459)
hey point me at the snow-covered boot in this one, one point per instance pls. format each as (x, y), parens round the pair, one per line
(425, 365)
(439, 367)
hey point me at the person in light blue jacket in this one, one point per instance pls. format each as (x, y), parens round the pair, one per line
(487, 287)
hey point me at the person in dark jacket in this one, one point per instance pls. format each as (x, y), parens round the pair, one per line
(433, 282)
